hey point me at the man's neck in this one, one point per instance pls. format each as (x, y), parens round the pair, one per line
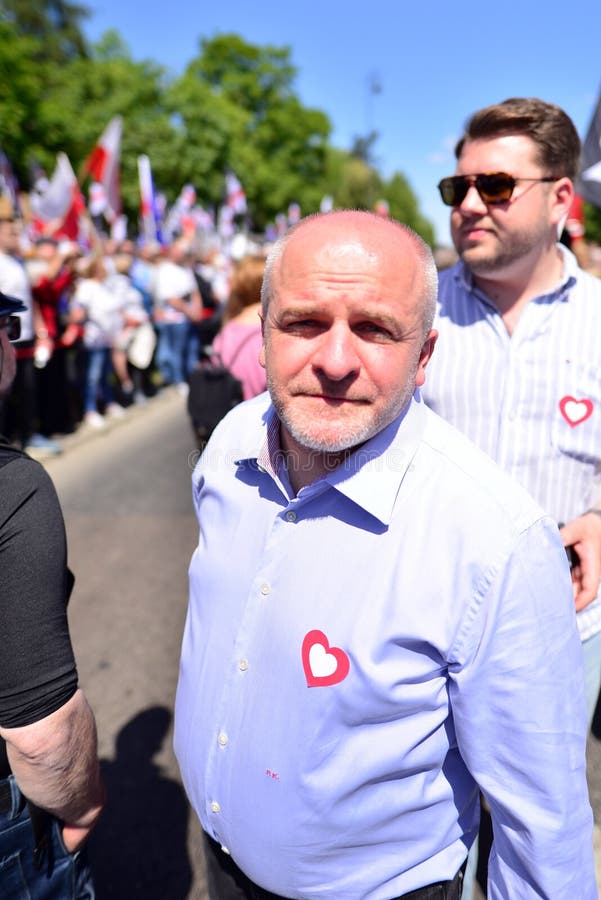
(512, 288)
(306, 466)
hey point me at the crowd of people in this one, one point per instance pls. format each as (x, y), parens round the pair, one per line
(109, 327)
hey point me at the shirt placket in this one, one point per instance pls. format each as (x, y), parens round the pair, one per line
(226, 731)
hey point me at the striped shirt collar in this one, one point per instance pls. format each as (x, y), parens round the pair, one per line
(464, 277)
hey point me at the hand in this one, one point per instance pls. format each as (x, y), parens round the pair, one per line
(44, 340)
(584, 535)
(75, 836)
(71, 333)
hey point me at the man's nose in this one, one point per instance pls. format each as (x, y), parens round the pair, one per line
(472, 204)
(336, 357)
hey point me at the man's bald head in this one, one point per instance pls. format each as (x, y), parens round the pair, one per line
(351, 229)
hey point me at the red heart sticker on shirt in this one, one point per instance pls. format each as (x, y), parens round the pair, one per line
(323, 665)
(575, 411)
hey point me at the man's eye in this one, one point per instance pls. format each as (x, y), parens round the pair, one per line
(373, 329)
(302, 325)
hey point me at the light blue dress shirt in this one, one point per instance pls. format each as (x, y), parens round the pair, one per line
(357, 657)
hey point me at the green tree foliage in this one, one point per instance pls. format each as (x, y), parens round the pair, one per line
(112, 84)
(592, 223)
(403, 206)
(237, 99)
(54, 24)
(355, 184)
(233, 108)
(21, 93)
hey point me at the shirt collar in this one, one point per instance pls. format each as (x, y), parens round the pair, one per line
(371, 476)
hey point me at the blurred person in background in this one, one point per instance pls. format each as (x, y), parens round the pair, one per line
(143, 276)
(135, 316)
(51, 270)
(239, 341)
(177, 305)
(18, 412)
(143, 271)
(100, 312)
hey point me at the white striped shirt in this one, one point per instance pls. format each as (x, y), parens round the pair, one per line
(531, 400)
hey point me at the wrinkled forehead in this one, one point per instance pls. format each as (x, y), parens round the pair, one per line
(346, 253)
(370, 276)
(343, 256)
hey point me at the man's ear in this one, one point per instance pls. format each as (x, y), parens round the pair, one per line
(561, 199)
(425, 355)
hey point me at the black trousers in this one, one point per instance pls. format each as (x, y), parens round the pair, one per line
(226, 881)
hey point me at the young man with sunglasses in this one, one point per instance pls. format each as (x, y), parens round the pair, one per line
(50, 789)
(518, 362)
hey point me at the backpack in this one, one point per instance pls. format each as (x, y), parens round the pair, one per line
(214, 391)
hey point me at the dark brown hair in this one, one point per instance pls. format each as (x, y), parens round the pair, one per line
(551, 129)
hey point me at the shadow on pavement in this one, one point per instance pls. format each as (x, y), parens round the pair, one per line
(596, 723)
(139, 848)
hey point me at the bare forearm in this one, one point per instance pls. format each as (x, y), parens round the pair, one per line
(55, 763)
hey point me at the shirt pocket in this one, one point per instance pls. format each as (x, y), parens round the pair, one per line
(576, 426)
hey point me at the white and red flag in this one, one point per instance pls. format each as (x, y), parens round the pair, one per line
(103, 166)
(58, 204)
(149, 210)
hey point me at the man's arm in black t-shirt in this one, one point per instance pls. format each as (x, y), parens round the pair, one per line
(44, 718)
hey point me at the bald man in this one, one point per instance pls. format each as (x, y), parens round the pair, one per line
(380, 623)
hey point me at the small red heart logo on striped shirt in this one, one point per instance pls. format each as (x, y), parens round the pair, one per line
(575, 411)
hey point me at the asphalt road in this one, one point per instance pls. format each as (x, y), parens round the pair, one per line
(131, 528)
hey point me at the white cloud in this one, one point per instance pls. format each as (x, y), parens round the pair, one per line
(444, 153)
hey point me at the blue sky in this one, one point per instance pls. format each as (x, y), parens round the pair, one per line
(436, 62)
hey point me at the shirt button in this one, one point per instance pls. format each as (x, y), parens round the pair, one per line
(222, 739)
(243, 665)
(215, 807)
(225, 850)
(265, 589)
(291, 516)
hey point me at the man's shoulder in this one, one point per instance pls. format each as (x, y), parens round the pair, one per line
(451, 276)
(453, 286)
(10, 454)
(28, 493)
(247, 417)
(591, 283)
(239, 435)
(21, 467)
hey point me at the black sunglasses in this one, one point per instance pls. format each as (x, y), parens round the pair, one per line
(12, 324)
(492, 187)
